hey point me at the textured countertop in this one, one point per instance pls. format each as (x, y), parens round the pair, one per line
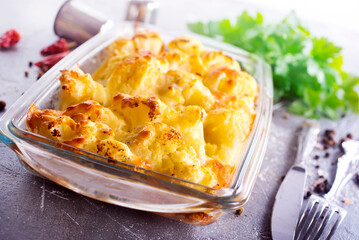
(34, 208)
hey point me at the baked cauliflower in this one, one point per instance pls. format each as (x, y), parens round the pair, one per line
(178, 109)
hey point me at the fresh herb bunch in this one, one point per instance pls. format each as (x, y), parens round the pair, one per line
(307, 70)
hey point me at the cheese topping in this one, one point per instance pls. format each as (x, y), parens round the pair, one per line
(179, 110)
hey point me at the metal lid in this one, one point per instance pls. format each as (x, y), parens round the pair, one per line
(78, 22)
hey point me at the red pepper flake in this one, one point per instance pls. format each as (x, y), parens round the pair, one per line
(9, 39)
(51, 60)
(59, 46)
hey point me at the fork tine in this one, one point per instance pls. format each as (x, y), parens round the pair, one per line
(329, 214)
(308, 214)
(317, 219)
(303, 217)
(337, 223)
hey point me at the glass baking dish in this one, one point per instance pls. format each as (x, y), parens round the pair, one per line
(127, 185)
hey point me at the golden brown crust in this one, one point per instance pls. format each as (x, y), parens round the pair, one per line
(133, 102)
(182, 111)
(224, 172)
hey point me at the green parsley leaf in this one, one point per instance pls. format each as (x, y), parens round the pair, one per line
(307, 70)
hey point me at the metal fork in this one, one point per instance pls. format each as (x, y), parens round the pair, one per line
(322, 216)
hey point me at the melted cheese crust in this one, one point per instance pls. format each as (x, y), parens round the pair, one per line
(179, 110)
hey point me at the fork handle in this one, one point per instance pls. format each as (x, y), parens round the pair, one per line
(347, 166)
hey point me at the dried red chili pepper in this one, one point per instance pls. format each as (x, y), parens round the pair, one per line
(51, 60)
(59, 46)
(9, 39)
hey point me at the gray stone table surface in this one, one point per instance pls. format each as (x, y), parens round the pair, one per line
(34, 208)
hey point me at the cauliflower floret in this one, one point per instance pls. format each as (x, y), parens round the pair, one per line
(164, 147)
(125, 45)
(147, 40)
(227, 126)
(189, 86)
(114, 58)
(83, 129)
(137, 76)
(77, 87)
(186, 44)
(212, 59)
(60, 127)
(227, 129)
(186, 62)
(144, 40)
(187, 120)
(96, 113)
(229, 81)
(139, 110)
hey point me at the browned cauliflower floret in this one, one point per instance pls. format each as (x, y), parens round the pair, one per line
(186, 62)
(137, 76)
(187, 120)
(225, 129)
(114, 58)
(186, 44)
(77, 87)
(145, 40)
(212, 59)
(189, 86)
(164, 147)
(139, 110)
(230, 81)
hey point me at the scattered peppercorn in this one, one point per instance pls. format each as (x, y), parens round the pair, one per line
(26, 73)
(328, 139)
(350, 136)
(326, 155)
(30, 64)
(308, 194)
(330, 133)
(316, 166)
(2, 105)
(357, 178)
(316, 157)
(321, 185)
(239, 211)
(9, 38)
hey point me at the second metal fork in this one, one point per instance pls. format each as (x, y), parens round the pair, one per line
(322, 216)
